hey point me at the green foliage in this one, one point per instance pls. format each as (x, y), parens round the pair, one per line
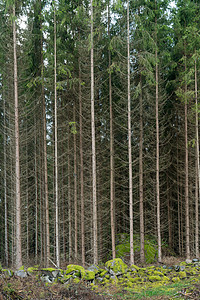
(73, 127)
(150, 247)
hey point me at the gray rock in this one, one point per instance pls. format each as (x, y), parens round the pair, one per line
(21, 273)
(56, 273)
(195, 260)
(177, 268)
(93, 268)
(112, 273)
(47, 278)
(100, 279)
(188, 261)
(164, 267)
(182, 268)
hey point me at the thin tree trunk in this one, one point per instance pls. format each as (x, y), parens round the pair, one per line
(75, 193)
(56, 144)
(142, 257)
(36, 203)
(94, 188)
(112, 196)
(169, 216)
(45, 169)
(187, 220)
(198, 169)
(5, 184)
(129, 145)
(69, 202)
(81, 173)
(157, 152)
(17, 163)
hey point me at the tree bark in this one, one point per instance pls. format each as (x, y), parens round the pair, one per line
(187, 219)
(112, 196)
(142, 256)
(197, 168)
(157, 151)
(129, 144)
(69, 201)
(56, 143)
(18, 262)
(75, 193)
(5, 184)
(81, 173)
(94, 189)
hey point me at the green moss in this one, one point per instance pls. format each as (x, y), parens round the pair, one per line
(89, 275)
(129, 284)
(134, 267)
(79, 271)
(102, 274)
(136, 280)
(32, 269)
(154, 278)
(117, 265)
(76, 280)
(7, 273)
(175, 279)
(183, 263)
(66, 277)
(165, 278)
(182, 274)
(158, 273)
(21, 268)
(49, 269)
(105, 281)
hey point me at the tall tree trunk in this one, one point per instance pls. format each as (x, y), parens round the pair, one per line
(157, 151)
(75, 192)
(36, 201)
(56, 143)
(94, 188)
(5, 184)
(81, 172)
(69, 201)
(112, 196)
(45, 166)
(129, 144)
(18, 262)
(197, 169)
(187, 219)
(142, 257)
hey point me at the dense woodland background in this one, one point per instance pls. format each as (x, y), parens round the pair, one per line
(99, 121)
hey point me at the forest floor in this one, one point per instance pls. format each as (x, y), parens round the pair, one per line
(33, 288)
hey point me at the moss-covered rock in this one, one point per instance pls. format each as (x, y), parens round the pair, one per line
(136, 280)
(103, 273)
(77, 270)
(89, 275)
(182, 274)
(116, 265)
(175, 279)
(158, 273)
(134, 268)
(32, 270)
(7, 273)
(155, 278)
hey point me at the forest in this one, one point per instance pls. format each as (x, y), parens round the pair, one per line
(99, 130)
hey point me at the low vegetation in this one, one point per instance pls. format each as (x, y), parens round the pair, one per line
(114, 280)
